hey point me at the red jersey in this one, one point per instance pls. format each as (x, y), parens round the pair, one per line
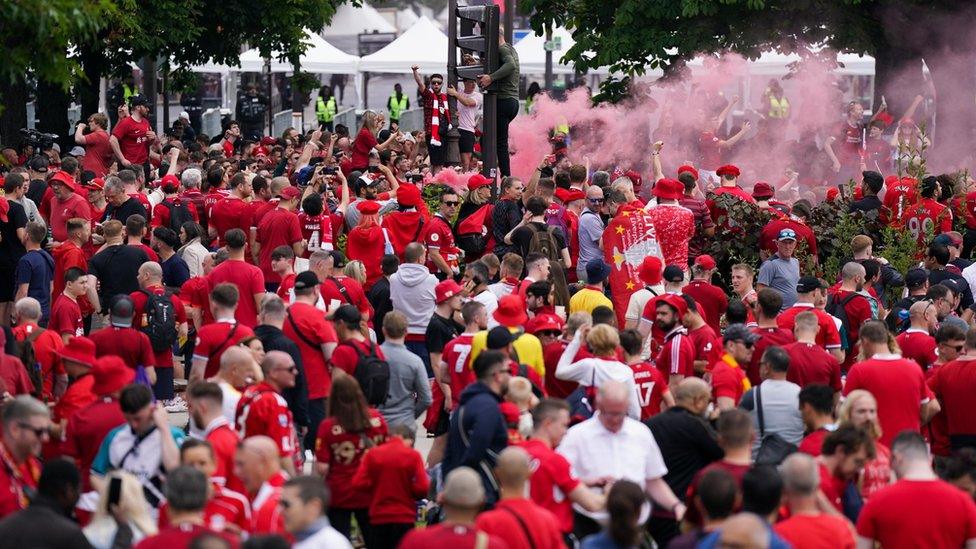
(222, 438)
(925, 218)
(394, 474)
(919, 346)
(919, 513)
(437, 235)
(710, 299)
(828, 336)
(262, 411)
(693, 516)
(66, 256)
(850, 143)
(66, 317)
(230, 213)
(46, 346)
(211, 198)
(812, 444)
(811, 364)
(195, 292)
(224, 507)
(767, 338)
(260, 207)
(342, 451)
(286, 288)
(78, 395)
(214, 339)
(900, 195)
(551, 482)
(899, 387)
(455, 358)
(85, 431)
(160, 212)
(728, 379)
(61, 211)
(133, 141)
(708, 346)
(709, 151)
(278, 227)
(17, 480)
(181, 535)
(351, 292)
(448, 535)
(953, 384)
(520, 523)
(345, 356)
(677, 356)
(164, 358)
(650, 385)
(674, 226)
(316, 232)
(249, 281)
(315, 331)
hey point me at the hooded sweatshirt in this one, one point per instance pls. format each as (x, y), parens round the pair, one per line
(412, 293)
(480, 418)
(366, 245)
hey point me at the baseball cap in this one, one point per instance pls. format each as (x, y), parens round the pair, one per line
(786, 234)
(338, 259)
(676, 302)
(122, 310)
(739, 332)
(347, 314)
(446, 290)
(674, 273)
(916, 277)
(77, 150)
(705, 261)
(807, 284)
(499, 338)
(305, 280)
(289, 193)
(477, 181)
(170, 183)
(136, 100)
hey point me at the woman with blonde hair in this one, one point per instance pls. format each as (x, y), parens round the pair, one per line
(860, 409)
(132, 510)
(365, 141)
(602, 341)
(356, 270)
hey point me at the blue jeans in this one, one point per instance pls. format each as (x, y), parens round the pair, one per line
(419, 348)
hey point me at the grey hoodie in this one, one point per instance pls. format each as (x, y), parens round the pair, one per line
(412, 293)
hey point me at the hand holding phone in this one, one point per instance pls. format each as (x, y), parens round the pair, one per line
(114, 491)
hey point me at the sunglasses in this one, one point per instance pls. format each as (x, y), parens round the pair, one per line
(595, 200)
(290, 369)
(749, 345)
(450, 203)
(435, 82)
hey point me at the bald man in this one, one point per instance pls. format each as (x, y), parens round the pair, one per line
(916, 342)
(257, 465)
(687, 442)
(612, 446)
(744, 531)
(801, 484)
(538, 527)
(461, 500)
(164, 320)
(237, 371)
(263, 411)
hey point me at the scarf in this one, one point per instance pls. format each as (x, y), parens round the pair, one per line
(438, 107)
(728, 359)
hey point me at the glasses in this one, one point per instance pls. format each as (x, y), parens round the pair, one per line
(595, 200)
(451, 203)
(435, 82)
(39, 432)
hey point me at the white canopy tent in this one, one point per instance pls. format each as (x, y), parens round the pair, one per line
(319, 57)
(350, 21)
(423, 44)
(532, 54)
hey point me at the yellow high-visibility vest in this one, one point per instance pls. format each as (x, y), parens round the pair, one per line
(778, 108)
(325, 111)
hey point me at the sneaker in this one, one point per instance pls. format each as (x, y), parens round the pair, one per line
(175, 405)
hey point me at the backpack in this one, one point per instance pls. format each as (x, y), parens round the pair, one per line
(471, 234)
(160, 324)
(837, 309)
(178, 214)
(373, 375)
(545, 243)
(26, 354)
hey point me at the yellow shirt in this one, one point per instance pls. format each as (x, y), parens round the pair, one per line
(588, 299)
(527, 346)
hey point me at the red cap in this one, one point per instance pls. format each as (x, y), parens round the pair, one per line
(290, 192)
(96, 184)
(574, 194)
(762, 190)
(511, 311)
(650, 270)
(635, 178)
(446, 290)
(677, 302)
(170, 183)
(408, 195)
(688, 168)
(260, 151)
(79, 349)
(509, 411)
(728, 169)
(110, 375)
(64, 179)
(669, 189)
(832, 194)
(268, 141)
(544, 323)
(368, 207)
(477, 181)
(705, 261)
(858, 192)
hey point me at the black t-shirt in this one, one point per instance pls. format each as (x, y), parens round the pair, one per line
(129, 207)
(379, 298)
(116, 268)
(11, 248)
(937, 276)
(522, 236)
(440, 330)
(687, 443)
(36, 190)
(896, 324)
(866, 204)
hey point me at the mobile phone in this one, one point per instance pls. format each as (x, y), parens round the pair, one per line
(330, 170)
(373, 169)
(416, 177)
(114, 490)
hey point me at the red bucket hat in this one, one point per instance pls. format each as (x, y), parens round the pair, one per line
(511, 311)
(111, 374)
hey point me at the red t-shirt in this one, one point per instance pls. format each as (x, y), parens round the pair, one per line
(249, 281)
(674, 225)
(394, 474)
(812, 444)
(827, 337)
(521, 523)
(213, 339)
(919, 513)
(345, 356)
(954, 384)
(437, 235)
(727, 381)
(66, 256)
(98, 153)
(919, 346)
(849, 143)
(46, 347)
(737, 471)
(195, 292)
(224, 507)
(66, 317)
(819, 531)
(858, 312)
(329, 288)
(260, 207)
(316, 232)
(810, 364)
(650, 385)
(925, 218)
(132, 139)
(364, 142)
(212, 197)
(316, 329)
(767, 338)
(719, 215)
(551, 482)
(709, 150)
(899, 387)
(832, 487)
(677, 356)
(937, 431)
(447, 535)
(279, 227)
(13, 376)
(262, 411)
(266, 517)
(85, 431)
(224, 440)
(74, 206)
(164, 358)
(181, 535)
(455, 356)
(708, 346)
(342, 451)
(129, 344)
(230, 213)
(285, 288)
(900, 195)
(558, 388)
(711, 299)
(78, 395)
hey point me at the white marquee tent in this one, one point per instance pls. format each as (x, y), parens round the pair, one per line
(422, 44)
(319, 57)
(351, 21)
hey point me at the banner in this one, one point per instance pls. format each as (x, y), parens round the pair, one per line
(627, 240)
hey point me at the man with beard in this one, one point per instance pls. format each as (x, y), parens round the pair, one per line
(133, 135)
(676, 360)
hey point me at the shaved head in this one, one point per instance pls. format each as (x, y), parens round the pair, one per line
(275, 359)
(512, 469)
(690, 388)
(746, 531)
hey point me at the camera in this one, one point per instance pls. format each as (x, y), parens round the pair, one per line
(39, 140)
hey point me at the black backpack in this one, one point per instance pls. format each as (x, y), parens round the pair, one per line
(178, 215)
(160, 324)
(373, 375)
(26, 354)
(544, 242)
(838, 310)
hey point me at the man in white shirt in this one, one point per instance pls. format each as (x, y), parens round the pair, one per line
(475, 285)
(611, 446)
(469, 108)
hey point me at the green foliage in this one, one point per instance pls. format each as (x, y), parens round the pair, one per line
(740, 243)
(835, 227)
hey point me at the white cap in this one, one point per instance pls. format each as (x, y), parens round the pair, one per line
(184, 115)
(77, 151)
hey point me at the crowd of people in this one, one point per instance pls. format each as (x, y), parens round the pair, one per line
(588, 375)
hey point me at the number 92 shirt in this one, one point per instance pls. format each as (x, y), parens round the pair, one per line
(342, 451)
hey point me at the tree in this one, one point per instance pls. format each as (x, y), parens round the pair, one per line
(633, 35)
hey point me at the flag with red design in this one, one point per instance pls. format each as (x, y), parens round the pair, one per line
(627, 240)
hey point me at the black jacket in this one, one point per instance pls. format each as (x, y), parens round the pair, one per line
(379, 298)
(484, 436)
(273, 339)
(42, 525)
(687, 443)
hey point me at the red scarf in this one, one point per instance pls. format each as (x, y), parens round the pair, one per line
(438, 107)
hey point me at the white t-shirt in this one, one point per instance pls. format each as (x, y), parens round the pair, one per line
(468, 116)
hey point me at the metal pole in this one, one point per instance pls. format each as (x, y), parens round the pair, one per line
(489, 119)
(548, 80)
(149, 87)
(165, 95)
(452, 79)
(267, 70)
(509, 20)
